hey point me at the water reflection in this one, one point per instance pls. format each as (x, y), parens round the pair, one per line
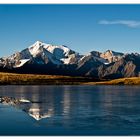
(39, 113)
(64, 101)
(88, 108)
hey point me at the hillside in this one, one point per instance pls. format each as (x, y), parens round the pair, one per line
(121, 81)
(33, 79)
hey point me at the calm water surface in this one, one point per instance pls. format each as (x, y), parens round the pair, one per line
(71, 110)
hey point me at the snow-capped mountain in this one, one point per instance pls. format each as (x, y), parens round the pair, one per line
(41, 53)
(60, 60)
(56, 54)
(111, 56)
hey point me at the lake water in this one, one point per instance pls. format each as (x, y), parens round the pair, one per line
(71, 110)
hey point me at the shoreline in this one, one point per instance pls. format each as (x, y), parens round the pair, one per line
(36, 79)
(120, 81)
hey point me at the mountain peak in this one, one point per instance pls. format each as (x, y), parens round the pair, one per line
(36, 48)
(109, 52)
(38, 42)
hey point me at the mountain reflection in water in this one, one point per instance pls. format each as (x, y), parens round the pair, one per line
(35, 110)
(33, 104)
(70, 110)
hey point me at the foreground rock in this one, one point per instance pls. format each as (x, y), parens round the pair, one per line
(12, 101)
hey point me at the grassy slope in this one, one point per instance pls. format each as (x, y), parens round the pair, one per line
(121, 81)
(28, 79)
(25, 79)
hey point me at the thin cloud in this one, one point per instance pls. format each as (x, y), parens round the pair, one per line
(128, 23)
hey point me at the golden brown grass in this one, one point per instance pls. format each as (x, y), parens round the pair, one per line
(121, 81)
(25, 79)
(35, 79)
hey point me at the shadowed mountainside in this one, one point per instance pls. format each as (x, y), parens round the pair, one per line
(48, 59)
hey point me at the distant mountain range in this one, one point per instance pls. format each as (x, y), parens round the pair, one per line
(41, 58)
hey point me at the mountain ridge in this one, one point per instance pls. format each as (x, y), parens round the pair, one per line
(51, 59)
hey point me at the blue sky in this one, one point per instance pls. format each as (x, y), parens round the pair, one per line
(80, 27)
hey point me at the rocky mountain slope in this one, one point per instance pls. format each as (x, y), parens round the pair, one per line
(45, 58)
